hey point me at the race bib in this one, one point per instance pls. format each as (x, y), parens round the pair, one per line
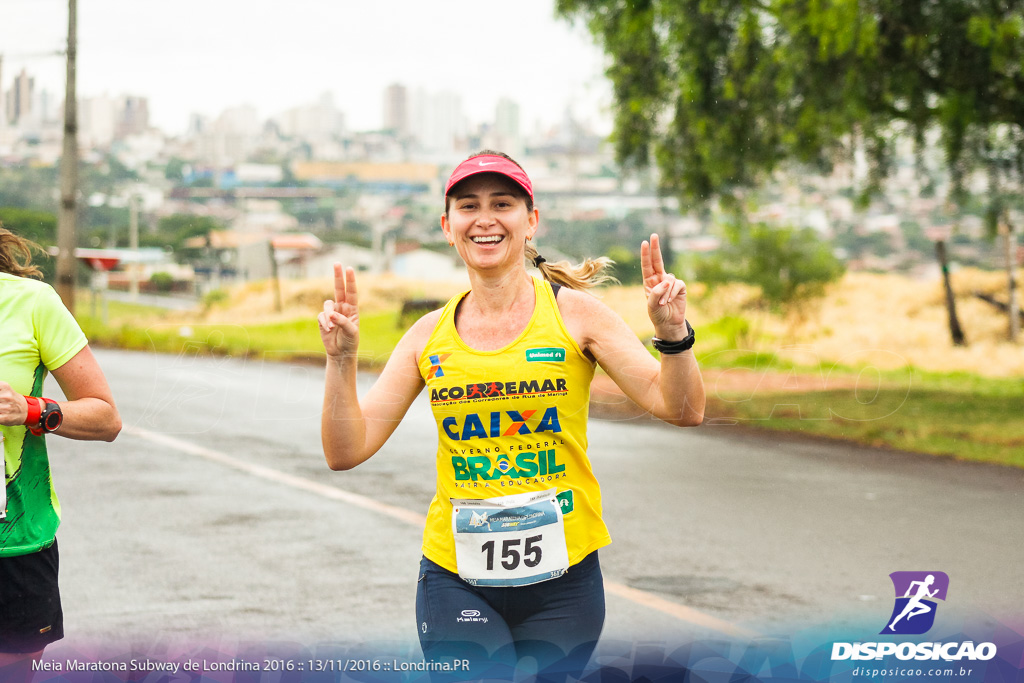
(510, 541)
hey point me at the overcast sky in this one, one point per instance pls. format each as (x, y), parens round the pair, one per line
(205, 55)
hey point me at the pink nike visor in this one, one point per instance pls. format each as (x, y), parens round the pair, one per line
(489, 163)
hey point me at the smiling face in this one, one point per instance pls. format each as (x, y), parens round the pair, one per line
(489, 222)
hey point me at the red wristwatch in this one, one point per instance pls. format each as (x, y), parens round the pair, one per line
(44, 415)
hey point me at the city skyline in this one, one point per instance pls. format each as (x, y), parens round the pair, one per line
(207, 57)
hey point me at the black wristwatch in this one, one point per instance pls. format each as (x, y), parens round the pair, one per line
(50, 417)
(684, 344)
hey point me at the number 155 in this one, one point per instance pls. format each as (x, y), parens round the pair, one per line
(510, 556)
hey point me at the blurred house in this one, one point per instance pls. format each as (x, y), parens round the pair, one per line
(243, 256)
(411, 261)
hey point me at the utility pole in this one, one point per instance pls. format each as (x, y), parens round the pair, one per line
(67, 218)
(274, 275)
(1010, 242)
(133, 244)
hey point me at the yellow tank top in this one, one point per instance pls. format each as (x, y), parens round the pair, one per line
(511, 421)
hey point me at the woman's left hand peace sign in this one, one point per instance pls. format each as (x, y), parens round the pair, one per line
(666, 295)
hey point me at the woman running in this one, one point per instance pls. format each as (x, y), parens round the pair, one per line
(38, 335)
(510, 566)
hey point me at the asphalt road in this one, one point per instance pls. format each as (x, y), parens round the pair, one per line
(214, 519)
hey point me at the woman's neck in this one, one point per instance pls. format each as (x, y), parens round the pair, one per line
(496, 311)
(496, 295)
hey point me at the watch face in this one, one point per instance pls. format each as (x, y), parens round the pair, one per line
(52, 417)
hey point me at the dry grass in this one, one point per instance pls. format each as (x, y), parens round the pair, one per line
(254, 302)
(895, 321)
(886, 321)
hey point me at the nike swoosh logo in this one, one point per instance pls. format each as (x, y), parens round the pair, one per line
(487, 163)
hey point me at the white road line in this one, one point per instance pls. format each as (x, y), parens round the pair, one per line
(676, 610)
(409, 517)
(401, 514)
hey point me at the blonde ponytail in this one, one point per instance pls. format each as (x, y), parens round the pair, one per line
(11, 246)
(590, 273)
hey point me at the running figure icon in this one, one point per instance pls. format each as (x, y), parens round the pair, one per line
(915, 606)
(916, 595)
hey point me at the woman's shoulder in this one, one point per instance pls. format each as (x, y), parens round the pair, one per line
(576, 303)
(27, 282)
(26, 287)
(585, 316)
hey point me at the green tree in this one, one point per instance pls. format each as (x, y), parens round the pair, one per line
(38, 226)
(162, 282)
(174, 230)
(723, 92)
(175, 169)
(590, 238)
(627, 268)
(789, 266)
(28, 187)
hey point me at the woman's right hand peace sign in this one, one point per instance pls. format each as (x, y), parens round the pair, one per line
(666, 295)
(339, 322)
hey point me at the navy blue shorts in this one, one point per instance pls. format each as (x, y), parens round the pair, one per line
(30, 613)
(556, 622)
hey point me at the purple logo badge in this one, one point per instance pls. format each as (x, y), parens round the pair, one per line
(916, 593)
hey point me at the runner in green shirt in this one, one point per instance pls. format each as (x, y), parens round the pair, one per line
(37, 335)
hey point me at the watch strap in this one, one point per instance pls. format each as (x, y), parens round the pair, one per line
(35, 409)
(671, 347)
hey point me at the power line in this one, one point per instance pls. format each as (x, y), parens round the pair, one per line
(33, 55)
